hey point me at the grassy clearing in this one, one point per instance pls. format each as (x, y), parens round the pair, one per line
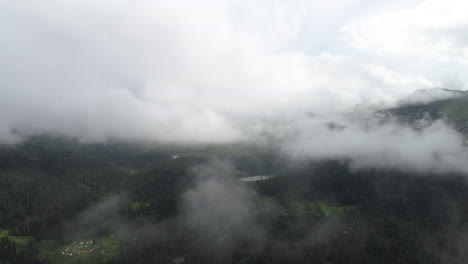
(103, 249)
(4, 233)
(273, 207)
(328, 210)
(20, 241)
(137, 206)
(131, 171)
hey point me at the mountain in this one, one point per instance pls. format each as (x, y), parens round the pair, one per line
(173, 204)
(454, 110)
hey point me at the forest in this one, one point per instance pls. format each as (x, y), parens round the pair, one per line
(67, 202)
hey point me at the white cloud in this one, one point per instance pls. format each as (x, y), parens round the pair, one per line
(220, 71)
(372, 144)
(433, 30)
(179, 71)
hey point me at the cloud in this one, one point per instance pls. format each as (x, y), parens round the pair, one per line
(430, 36)
(185, 72)
(224, 71)
(431, 29)
(219, 207)
(105, 216)
(216, 209)
(373, 142)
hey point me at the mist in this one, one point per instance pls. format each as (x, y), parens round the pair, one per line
(376, 142)
(105, 217)
(215, 209)
(228, 71)
(219, 207)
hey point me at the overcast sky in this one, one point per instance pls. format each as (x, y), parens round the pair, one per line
(212, 70)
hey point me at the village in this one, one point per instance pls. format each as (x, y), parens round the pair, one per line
(82, 248)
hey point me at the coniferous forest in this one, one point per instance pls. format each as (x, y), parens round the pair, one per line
(67, 202)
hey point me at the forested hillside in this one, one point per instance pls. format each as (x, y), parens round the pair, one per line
(452, 110)
(131, 202)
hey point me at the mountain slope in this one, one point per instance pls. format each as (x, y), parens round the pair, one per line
(453, 110)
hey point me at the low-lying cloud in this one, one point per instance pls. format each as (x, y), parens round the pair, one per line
(431, 146)
(219, 207)
(105, 217)
(217, 71)
(216, 209)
